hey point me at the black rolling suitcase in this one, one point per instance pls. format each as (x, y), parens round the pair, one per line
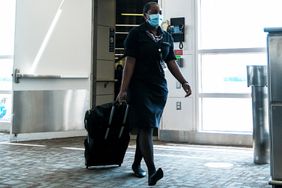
(108, 135)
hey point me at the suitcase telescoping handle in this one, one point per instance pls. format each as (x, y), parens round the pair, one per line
(123, 122)
(111, 118)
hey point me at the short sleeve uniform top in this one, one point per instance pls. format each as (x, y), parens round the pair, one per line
(147, 91)
(148, 53)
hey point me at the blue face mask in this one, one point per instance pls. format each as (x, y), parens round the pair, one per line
(155, 20)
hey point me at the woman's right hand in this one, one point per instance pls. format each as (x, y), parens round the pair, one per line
(186, 87)
(122, 97)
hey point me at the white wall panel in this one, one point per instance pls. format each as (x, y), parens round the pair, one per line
(184, 119)
(105, 70)
(178, 119)
(102, 99)
(64, 48)
(105, 88)
(106, 19)
(53, 38)
(107, 15)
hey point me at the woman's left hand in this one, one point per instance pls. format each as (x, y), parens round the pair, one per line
(122, 97)
(186, 87)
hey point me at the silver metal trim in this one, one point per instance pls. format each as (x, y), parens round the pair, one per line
(111, 115)
(49, 110)
(124, 121)
(121, 131)
(256, 75)
(47, 135)
(17, 76)
(110, 122)
(125, 115)
(275, 182)
(107, 133)
(232, 50)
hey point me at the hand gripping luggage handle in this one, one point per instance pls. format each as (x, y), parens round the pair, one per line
(111, 118)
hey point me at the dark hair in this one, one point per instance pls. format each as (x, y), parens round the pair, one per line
(148, 5)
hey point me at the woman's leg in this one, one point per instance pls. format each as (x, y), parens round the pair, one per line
(145, 141)
(138, 154)
(136, 166)
(146, 147)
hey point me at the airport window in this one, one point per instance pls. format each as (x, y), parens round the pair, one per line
(230, 37)
(7, 22)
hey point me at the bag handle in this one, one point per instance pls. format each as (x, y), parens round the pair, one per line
(111, 118)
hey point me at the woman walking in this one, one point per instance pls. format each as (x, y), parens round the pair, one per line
(148, 49)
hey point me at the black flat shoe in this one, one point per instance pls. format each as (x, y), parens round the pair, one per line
(138, 172)
(155, 177)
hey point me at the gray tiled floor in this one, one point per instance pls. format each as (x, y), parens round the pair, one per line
(60, 163)
(4, 137)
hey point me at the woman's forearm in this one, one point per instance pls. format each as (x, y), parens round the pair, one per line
(127, 73)
(175, 71)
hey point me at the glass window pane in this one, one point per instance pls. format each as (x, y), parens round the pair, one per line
(5, 107)
(223, 114)
(237, 23)
(6, 67)
(227, 73)
(7, 24)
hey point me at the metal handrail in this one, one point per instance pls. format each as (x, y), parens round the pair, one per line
(17, 76)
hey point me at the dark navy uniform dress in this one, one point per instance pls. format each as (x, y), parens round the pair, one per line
(147, 92)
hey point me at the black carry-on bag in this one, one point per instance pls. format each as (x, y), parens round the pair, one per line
(108, 135)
